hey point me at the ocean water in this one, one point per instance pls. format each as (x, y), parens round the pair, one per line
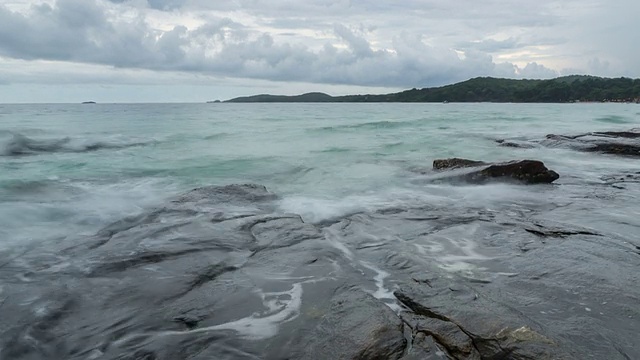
(67, 171)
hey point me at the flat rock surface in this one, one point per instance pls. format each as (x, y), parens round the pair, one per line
(221, 273)
(620, 143)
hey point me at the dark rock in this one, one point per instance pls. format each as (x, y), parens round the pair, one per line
(623, 143)
(467, 327)
(189, 321)
(526, 171)
(616, 149)
(557, 233)
(515, 144)
(454, 163)
(622, 134)
(424, 347)
(220, 274)
(357, 326)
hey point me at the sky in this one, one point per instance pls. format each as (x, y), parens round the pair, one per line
(199, 50)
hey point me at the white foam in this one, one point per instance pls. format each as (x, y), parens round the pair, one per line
(319, 209)
(316, 209)
(282, 307)
(382, 292)
(334, 240)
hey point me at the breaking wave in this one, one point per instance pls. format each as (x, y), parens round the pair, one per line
(20, 145)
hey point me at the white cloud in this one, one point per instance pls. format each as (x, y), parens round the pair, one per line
(414, 43)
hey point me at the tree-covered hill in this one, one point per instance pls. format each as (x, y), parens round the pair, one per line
(486, 89)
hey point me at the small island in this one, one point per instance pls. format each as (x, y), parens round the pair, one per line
(88, 102)
(567, 89)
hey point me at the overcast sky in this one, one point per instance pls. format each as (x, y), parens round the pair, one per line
(197, 50)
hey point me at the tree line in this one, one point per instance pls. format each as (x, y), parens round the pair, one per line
(575, 88)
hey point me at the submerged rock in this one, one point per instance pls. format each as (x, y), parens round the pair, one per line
(631, 134)
(515, 144)
(623, 143)
(616, 149)
(454, 163)
(525, 171)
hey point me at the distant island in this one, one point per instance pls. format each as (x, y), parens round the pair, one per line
(575, 88)
(88, 102)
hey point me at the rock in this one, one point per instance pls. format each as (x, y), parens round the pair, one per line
(219, 273)
(525, 171)
(616, 149)
(621, 178)
(468, 326)
(179, 281)
(623, 143)
(454, 163)
(250, 193)
(622, 134)
(556, 232)
(357, 326)
(515, 144)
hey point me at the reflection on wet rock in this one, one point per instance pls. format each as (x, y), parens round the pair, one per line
(222, 272)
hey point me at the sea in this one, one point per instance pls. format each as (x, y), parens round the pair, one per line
(69, 170)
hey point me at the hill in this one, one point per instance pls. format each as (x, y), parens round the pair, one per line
(308, 97)
(487, 89)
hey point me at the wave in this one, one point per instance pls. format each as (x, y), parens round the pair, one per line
(335, 149)
(216, 136)
(614, 119)
(371, 125)
(20, 145)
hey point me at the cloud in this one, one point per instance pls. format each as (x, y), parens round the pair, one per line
(534, 70)
(492, 45)
(415, 43)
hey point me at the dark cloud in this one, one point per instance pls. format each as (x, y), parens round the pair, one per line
(77, 30)
(413, 43)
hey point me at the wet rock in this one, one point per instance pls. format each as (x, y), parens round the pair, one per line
(220, 274)
(424, 347)
(177, 281)
(622, 143)
(525, 171)
(250, 193)
(189, 321)
(557, 232)
(622, 134)
(616, 149)
(454, 163)
(470, 326)
(515, 144)
(617, 180)
(357, 326)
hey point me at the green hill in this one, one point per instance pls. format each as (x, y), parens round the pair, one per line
(487, 89)
(308, 97)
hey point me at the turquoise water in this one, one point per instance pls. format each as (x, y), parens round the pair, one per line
(70, 169)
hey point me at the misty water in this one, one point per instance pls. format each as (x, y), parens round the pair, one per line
(68, 172)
